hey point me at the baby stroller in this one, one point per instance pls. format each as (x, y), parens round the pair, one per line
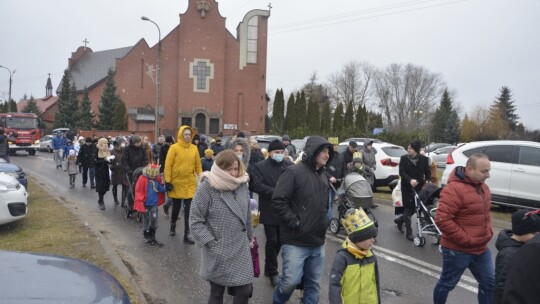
(355, 192)
(131, 193)
(426, 206)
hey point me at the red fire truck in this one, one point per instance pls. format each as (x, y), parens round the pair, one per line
(22, 130)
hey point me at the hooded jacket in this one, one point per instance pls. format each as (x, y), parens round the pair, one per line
(368, 157)
(182, 166)
(507, 247)
(463, 214)
(300, 198)
(245, 145)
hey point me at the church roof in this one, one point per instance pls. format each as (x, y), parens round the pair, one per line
(93, 67)
(42, 103)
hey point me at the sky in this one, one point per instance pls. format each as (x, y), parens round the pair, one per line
(477, 46)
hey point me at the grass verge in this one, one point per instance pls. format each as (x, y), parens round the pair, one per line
(51, 228)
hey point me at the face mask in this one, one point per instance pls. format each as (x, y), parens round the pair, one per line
(278, 157)
(123, 145)
(239, 156)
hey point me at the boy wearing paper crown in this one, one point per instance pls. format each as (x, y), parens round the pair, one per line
(149, 195)
(354, 277)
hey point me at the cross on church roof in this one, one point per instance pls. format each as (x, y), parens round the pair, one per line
(85, 42)
(201, 70)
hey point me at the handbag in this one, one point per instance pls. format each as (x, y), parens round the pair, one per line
(396, 196)
(255, 258)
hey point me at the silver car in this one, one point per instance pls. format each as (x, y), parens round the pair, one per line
(45, 143)
(439, 156)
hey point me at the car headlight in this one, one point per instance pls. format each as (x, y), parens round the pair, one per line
(36, 142)
(9, 184)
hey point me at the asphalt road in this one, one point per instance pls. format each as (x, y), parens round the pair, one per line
(170, 274)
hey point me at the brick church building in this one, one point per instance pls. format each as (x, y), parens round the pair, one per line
(209, 78)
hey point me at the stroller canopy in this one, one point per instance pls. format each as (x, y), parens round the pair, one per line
(357, 190)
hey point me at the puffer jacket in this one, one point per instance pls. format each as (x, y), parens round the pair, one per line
(463, 215)
(134, 157)
(182, 166)
(87, 155)
(300, 198)
(507, 247)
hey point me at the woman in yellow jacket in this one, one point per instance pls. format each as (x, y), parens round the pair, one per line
(182, 166)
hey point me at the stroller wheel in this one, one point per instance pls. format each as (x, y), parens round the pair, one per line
(419, 241)
(334, 226)
(435, 239)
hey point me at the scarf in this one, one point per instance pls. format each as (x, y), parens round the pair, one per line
(221, 180)
(413, 160)
(357, 252)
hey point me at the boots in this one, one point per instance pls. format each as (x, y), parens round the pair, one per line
(399, 223)
(409, 234)
(115, 194)
(408, 229)
(187, 239)
(152, 236)
(173, 229)
(124, 196)
(146, 234)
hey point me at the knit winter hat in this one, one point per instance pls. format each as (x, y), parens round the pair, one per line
(416, 145)
(240, 135)
(169, 139)
(525, 221)
(151, 171)
(358, 225)
(276, 144)
(286, 138)
(208, 153)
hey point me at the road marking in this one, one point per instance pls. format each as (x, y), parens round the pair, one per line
(421, 266)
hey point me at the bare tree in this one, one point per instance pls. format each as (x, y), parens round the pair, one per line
(353, 83)
(400, 90)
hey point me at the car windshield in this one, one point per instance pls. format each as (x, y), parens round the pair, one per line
(394, 151)
(21, 123)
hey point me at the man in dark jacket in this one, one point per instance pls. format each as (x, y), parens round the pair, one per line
(217, 146)
(4, 146)
(525, 225)
(523, 275)
(156, 148)
(87, 160)
(300, 201)
(134, 157)
(264, 177)
(414, 171)
(334, 172)
(348, 156)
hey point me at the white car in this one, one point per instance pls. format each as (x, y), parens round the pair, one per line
(440, 155)
(45, 143)
(13, 199)
(387, 156)
(515, 170)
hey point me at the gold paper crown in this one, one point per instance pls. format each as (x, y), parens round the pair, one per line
(357, 155)
(356, 220)
(333, 140)
(152, 170)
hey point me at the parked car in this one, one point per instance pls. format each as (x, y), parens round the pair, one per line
(515, 170)
(13, 199)
(432, 147)
(15, 171)
(45, 143)
(439, 156)
(46, 278)
(387, 156)
(299, 144)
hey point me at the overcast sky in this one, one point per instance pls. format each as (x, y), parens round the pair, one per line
(478, 46)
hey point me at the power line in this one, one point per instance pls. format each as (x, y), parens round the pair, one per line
(285, 30)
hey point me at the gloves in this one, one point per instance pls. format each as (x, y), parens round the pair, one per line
(168, 186)
(109, 158)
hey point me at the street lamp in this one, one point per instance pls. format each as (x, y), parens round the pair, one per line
(10, 77)
(158, 76)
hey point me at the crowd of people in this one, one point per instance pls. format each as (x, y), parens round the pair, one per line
(215, 185)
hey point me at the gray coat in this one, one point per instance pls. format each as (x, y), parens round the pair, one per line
(220, 223)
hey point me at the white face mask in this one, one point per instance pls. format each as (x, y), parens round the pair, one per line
(278, 157)
(123, 145)
(240, 156)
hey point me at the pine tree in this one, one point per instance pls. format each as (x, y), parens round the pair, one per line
(348, 121)
(445, 123)
(314, 121)
(360, 123)
(504, 107)
(301, 111)
(120, 116)
(107, 103)
(73, 106)
(62, 116)
(31, 107)
(86, 117)
(278, 112)
(337, 123)
(326, 120)
(290, 118)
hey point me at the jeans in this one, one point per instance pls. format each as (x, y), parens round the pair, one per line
(92, 170)
(455, 263)
(58, 157)
(150, 217)
(300, 262)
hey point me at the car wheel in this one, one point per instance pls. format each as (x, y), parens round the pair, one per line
(49, 149)
(32, 152)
